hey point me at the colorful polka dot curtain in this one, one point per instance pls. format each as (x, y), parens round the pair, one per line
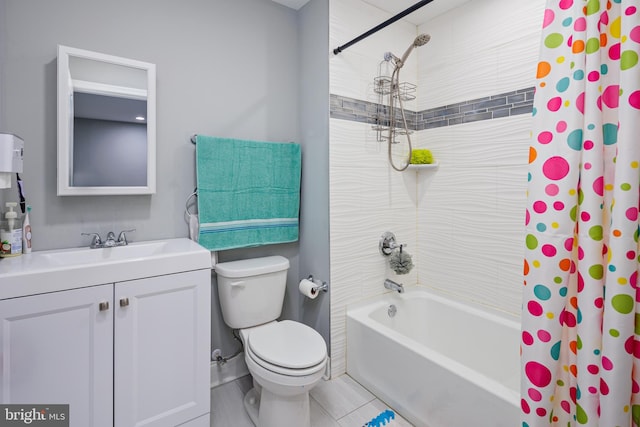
(580, 321)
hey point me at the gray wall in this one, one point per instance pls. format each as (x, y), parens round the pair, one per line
(224, 67)
(3, 45)
(314, 129)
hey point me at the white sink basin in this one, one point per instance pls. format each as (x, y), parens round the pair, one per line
(120, 253)
(55, 270)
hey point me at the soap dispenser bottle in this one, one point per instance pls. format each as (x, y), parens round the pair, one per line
(11, 233)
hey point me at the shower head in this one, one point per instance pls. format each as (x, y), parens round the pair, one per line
(421, 40)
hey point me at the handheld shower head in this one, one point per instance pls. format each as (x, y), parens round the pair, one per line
(421, 40)
(394, 93)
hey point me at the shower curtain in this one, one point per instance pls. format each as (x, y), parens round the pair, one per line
(580, 321)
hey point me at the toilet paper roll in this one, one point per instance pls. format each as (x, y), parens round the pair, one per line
(308, 288)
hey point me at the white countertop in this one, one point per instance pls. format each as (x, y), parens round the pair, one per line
(56, 270)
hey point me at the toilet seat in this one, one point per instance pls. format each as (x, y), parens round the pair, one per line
(283, 372)
(287, 347)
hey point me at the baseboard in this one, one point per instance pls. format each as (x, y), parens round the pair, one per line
(230, 371)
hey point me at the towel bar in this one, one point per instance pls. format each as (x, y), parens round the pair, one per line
(195, 135)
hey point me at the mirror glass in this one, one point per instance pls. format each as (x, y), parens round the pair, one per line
(106, 124)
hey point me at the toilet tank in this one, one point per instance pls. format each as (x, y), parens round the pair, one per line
(251, 291)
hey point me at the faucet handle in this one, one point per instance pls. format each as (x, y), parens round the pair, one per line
(122, 237)
(96, 242)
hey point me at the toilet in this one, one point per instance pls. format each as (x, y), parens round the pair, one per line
(286, 358)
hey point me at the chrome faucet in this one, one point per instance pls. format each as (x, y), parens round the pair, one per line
(390, 284)
(110, 241)
(122, 237)
(96, 241)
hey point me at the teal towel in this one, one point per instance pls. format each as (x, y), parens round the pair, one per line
(248, 192)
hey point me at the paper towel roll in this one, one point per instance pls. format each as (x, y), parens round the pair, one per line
(308, 288)
(5, 179)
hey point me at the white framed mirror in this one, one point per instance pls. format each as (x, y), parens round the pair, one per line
(106, 124)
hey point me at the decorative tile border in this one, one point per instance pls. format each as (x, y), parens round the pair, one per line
(491, 107)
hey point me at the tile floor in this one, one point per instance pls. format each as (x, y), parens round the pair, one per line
(340, 402)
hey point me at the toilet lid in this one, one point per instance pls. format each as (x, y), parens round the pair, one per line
(288, 344)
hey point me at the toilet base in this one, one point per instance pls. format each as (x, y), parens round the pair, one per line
(269, 410)
(252, 405)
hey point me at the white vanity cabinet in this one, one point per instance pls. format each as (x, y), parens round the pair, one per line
(58, 348)
(161, 349)
(123, 354)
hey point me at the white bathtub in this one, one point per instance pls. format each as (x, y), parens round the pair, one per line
(438, 362)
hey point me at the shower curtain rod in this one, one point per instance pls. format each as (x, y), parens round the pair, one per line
(381, 26)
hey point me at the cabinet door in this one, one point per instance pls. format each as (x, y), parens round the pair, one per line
(57, 348)
(162, 345)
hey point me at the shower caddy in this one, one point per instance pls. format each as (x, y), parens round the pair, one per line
(388, 127)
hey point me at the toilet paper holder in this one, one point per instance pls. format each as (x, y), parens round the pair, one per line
(323, 286)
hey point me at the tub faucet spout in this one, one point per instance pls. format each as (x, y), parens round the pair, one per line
(390, 284)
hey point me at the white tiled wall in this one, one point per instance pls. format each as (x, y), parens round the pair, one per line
(367, 198)
(471, 217)
(352, 71)
(482, 48)
(463, 223)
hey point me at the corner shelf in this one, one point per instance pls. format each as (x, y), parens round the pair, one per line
(430, 166)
